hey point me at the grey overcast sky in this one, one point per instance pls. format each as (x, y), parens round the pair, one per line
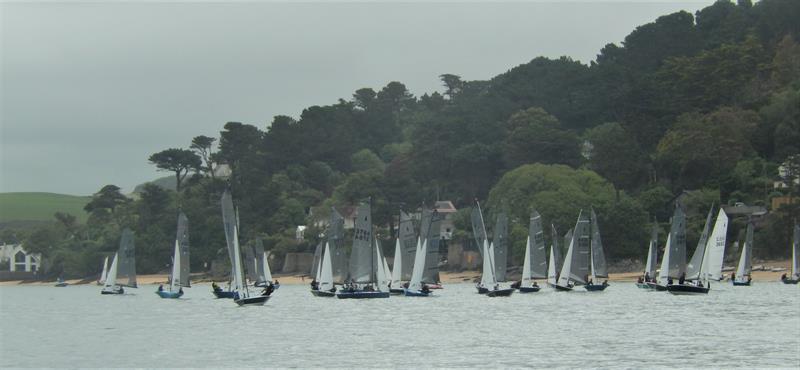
(88, 90)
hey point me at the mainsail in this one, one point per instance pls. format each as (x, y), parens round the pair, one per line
(433, 240)
(336, 243)
(262, 263)
(419, 267)
(538, 252)
(316, 263)
(796, 251)
(397, 269)
(104, 274)
(500, 242)
(478, 227)
(126, 266)
(673, 264)
(362, 257)
(695, 264)
(598, 262)
(576, 263)
(553, 264)
(183, 242)
(408, 245)
(230, 224)
(652, 252)
(488, 279)
(326, 272)
(744, 267)
(715, 248)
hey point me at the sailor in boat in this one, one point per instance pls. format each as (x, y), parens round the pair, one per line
(215, 287)
(180, 290)
(783, 277)
(314, 284)
(605, 282)
(161, 288)
(425, 288)
(647, 277)
(268, 289)
(640, 280)
(669, 281)
(682, 279)
(733, 276)
(749, 278)
(517, 284)
(588, 280)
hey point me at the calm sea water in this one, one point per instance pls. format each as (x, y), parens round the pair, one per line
(741, 327)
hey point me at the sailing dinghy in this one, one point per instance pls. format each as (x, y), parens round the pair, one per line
(123, 266)
(795, 277)
(242, 296)
(415, 287)
(179, 278)
(325, 287)
(707, 256)
(743, 271)
(575, 270)
(535, 264)
(647, 281)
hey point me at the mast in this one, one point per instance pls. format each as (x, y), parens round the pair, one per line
(796, 251)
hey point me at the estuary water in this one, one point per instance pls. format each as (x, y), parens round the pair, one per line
(731, 327)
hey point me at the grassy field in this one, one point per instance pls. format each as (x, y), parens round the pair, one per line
(40, 206)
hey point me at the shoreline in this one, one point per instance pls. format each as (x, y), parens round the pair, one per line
(447, 277)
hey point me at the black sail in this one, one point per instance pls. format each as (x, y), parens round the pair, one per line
(408, 245)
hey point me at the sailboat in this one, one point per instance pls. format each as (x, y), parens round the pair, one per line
(325, 287)
(576, 268)
(555, 259)
(242, 296)
(404, 253)
(397, 270)
(104, 273)
(263, 274)
(60, 283)
(597, 259)
(363, 260)
(430, 232)
(673, 263)
(179, 278)
(795, 277)
(123, 266)
(647, 281)
(535, 263)
(710, 260)
(416, 288)
(744, 269)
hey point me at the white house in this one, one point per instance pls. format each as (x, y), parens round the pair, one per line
(18, 259)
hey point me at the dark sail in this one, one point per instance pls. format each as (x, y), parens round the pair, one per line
(362, 257)
(538, 252)
(259, 252)
(581, 249)
(229, 222)
(693, 268)
(183, 242)
(408, 244)
(478, 227)
(500, 241)
(433, 234)
(677, 258)
(598, 256)
(127, 260)
(337, 247)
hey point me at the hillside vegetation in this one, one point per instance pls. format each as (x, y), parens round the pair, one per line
(700, 107)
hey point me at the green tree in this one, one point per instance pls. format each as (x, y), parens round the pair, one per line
(616, 156)
(534, 136)
(179, 161)
(107, 199)
(202, 145)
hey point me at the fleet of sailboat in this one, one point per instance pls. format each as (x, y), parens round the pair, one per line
(122, 272)
(179, 277)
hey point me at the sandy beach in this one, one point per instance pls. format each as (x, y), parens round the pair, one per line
(447, 277)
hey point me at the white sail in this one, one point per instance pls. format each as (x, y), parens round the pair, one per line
(175, 277)
(487, 277)
(552, 274)
(663, 274)
(238, 276)
(715, 248)
(104, 274)
(382, 278)
(387, 271)
(526, 266)
(744, 268)
(563, 280)
(111, 279)
(326, 270)
(318, 276)
(419, 267)
(397, 271)
(652, 257)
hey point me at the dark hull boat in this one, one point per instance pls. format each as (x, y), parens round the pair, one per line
(482, 290)
(223, 293)
(529, 289)
(560, 288)
(500, 292)
(416, 293)
(741, 283)
(118, 290)
(396, 291)
(252, 301)
(645, 286)
(685, 289)
(657, 287)
(166, 294)
(361, 294)
(595, 287)
(790, 281)
(323, 293)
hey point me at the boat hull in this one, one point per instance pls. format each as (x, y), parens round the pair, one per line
(482, 290)
(361, 294)
(166, 294)
(252, 301)
(657, 287)
(741, 283)
(396, 291)
(434, 286)
(529, 289)
(323, 293)
(223, 294)
(415, 293)
(790, 281)
(112, 291)
(645, 286)
(683, 289)
(500, 292)
(560, 288)
(61, 285)
(595, 287)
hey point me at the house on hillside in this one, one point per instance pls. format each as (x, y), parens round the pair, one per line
(18, 259)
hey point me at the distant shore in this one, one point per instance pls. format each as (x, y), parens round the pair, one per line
(446, 277)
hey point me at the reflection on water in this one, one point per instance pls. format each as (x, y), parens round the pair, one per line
(740, 327)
